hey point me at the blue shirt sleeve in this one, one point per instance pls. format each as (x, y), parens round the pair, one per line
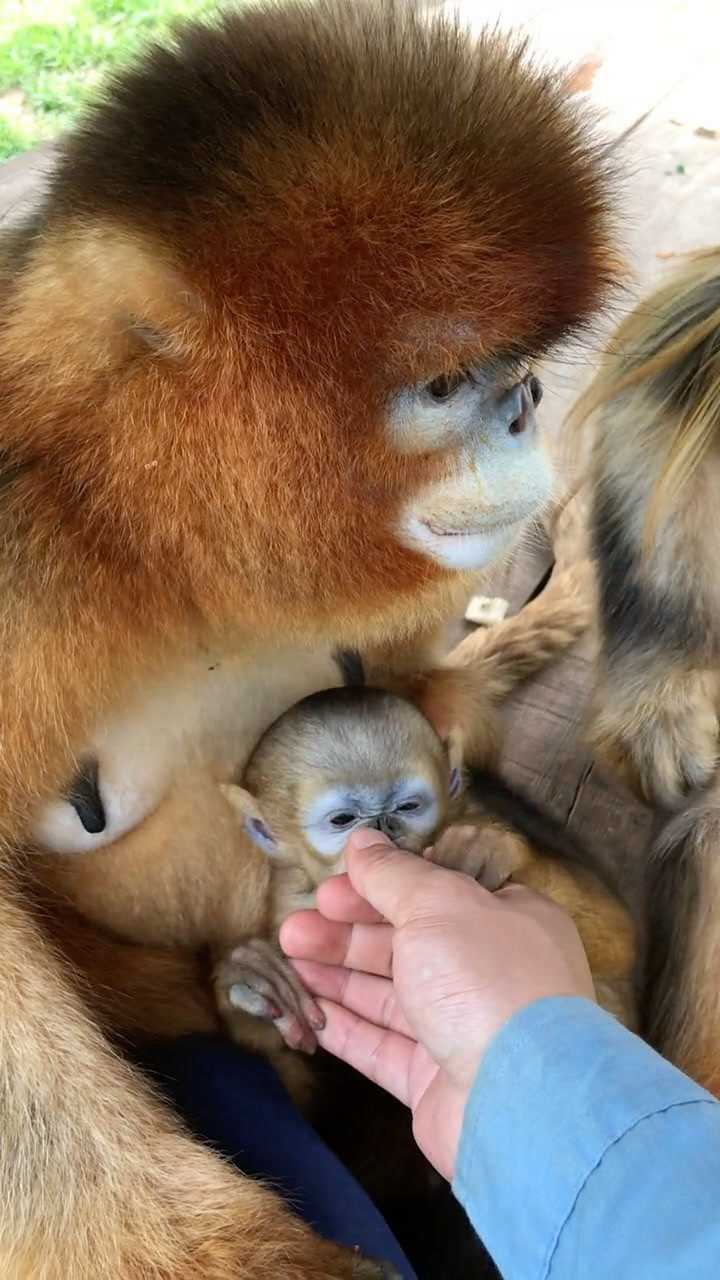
(584, 1154)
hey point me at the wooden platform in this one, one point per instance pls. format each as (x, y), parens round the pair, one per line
(544, 753)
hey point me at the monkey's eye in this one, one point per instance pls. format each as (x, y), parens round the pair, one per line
(444, 387)
(341, 820)
(410, 806)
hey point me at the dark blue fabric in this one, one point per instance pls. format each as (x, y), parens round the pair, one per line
(235, 1101)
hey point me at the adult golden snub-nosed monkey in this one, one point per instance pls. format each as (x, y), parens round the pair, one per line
(655, 414)
(265, 370)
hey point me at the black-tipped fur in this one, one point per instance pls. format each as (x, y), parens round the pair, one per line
(351, 668)
(635, 613)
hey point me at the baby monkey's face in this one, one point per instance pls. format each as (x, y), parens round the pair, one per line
(346, 760)
(407, 802)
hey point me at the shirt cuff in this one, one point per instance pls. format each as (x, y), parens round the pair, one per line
(559, 1084)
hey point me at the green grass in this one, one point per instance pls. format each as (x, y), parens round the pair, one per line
(54, 52)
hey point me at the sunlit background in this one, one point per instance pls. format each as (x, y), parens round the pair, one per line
(53, 53)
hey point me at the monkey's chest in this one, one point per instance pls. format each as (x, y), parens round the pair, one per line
(209, 713)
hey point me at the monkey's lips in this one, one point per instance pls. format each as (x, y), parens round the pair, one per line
(459, 549)
(475, 531)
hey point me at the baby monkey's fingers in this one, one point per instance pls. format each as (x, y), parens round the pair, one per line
(257, 979)
(484, 850)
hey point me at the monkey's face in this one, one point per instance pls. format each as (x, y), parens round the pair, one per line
(345, 759)
(407, 804)
(494, 472)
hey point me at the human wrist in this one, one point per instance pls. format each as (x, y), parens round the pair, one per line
(462, 1066)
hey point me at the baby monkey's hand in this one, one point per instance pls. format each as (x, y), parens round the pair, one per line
(484, 850)
(255, 978)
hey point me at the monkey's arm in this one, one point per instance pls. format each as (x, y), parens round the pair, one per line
(465, 688)
(655, 723)
(130, 988)
(507, 653)
(124, 1190)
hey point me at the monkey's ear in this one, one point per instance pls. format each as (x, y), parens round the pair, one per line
(245, 804)
(454, 743)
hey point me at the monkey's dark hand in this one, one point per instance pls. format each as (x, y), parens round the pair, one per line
(255, 978)
(484, 850)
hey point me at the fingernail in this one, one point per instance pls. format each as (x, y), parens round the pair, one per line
(367, 837)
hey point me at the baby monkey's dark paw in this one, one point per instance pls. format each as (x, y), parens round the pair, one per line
(255, 978)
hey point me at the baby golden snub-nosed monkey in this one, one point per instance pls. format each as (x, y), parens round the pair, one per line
(267, 349)
(338, 760)
(361, 757)
(194, 875)
(220, 866)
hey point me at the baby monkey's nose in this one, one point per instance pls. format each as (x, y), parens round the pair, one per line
(517, 406)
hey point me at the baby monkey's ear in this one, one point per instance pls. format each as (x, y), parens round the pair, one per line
(245, 804)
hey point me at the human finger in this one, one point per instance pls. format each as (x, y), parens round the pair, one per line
(389, 878)
(306, 935)
(365, 994)
(381, 1055)
(337, 900)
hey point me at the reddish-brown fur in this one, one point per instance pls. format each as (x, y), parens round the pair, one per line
(240, 253)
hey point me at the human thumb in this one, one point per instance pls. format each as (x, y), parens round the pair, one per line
(383, 874)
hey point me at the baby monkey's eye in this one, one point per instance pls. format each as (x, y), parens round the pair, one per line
(410, 806)
(445, 386)
(342, 819)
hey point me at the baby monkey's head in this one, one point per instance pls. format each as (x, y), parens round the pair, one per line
(343, 759)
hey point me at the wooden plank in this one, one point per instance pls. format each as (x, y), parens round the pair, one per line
(544, 754)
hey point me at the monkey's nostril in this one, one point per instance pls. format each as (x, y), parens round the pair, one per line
(530, 395)
(535, 389)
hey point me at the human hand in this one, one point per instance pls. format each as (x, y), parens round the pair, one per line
(417, 968)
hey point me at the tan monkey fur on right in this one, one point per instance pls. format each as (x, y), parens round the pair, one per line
(655, 409)
(266, 381)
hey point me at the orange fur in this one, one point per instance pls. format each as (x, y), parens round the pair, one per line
(243, 250)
